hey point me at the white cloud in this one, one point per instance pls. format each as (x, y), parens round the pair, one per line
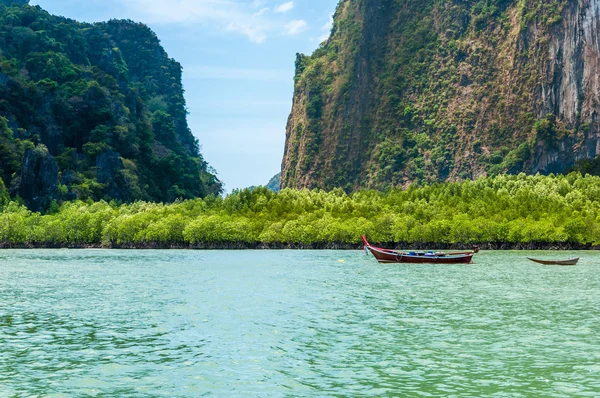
(260, 12)
(285, 7)
(296, 26)
(229, 15)
(252, 19)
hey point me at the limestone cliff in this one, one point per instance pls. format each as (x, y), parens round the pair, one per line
(38, 183)
(107, 103)
(408, 90)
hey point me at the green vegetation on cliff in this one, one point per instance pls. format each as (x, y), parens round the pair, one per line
(101, 103)
(432, 90)
(517, 210)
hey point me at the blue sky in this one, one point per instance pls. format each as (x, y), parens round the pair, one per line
(238, 59)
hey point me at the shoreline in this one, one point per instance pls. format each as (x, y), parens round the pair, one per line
(301, 246)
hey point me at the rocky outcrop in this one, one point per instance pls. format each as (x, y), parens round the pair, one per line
(571, 90)
(110, 166)
(38, 183)
(275, 183)
(101, 98)
(407, 91)
(4, 198)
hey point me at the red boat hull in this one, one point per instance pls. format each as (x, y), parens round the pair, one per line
(387, 256)
(397, 257)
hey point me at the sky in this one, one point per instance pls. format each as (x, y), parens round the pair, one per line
(238, 68)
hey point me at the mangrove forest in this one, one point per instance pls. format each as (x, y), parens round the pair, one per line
(503, 211)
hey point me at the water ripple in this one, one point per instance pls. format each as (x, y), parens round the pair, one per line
(274, 324)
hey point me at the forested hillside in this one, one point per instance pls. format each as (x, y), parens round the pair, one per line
(431, 90)
(92, 111)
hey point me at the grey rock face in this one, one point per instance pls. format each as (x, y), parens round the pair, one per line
(504, 82)
(39, 179)
(572, 88)
(109, 166)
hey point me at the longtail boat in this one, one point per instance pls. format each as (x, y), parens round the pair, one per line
(387, 256)
(571, 261)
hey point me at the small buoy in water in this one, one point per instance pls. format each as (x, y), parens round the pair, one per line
(340, 261)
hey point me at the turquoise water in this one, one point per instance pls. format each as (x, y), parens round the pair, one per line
(295, 323)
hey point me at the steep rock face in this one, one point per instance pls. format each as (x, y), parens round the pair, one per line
(408, 90)
(104, 94)
(571, 90)
(110, 167)
(4, 198)
(38, 184)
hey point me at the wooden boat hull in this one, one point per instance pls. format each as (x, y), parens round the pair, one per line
(388, 256)
(572, 261)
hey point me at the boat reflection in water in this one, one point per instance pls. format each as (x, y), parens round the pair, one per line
(394, 256)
